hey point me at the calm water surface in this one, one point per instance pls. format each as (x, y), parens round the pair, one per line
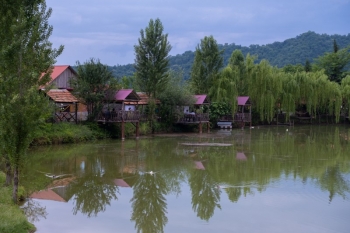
(267, 179)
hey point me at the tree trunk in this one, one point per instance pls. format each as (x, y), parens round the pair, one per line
(8, 173)
(15, 184)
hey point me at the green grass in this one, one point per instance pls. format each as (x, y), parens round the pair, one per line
(67, 133)
(12, 219)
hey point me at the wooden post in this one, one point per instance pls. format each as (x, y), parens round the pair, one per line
(137, 130)
(123, 129)
(200, 127)
(250, 115)
(208, 127)
(76, 113)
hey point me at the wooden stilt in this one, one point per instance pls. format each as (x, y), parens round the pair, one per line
(137, 130)
(208, 127)
(123, 130)
(200, 127)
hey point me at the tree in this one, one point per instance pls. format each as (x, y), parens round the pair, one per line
(93, 81)
(25, 53)
(334, 63)
(308, 67)
(207, 63)
(152, 58)
(176, 93)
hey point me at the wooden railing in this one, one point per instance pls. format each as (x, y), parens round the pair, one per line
(120, 116)
(194, 118)
(242, 117)
(238, 117)
(65, 117)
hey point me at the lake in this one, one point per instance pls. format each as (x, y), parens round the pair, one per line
(264, 179)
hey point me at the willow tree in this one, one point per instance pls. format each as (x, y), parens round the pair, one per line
(345, 88)
(242, 67)
(25, 53)
(224, 88)
(152, 58)
(264, 89)
(290, 93)
(207, 63)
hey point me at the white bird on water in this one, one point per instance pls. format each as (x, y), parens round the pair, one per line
(151, 172)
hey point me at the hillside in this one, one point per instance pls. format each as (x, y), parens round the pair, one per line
(306, 46)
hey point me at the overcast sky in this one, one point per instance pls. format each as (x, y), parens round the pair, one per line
(109, 29)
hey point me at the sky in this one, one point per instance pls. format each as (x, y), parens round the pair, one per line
(108, 30)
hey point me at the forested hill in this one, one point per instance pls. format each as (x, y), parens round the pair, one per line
(306, 46)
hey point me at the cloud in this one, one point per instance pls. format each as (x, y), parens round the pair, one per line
(102, 27)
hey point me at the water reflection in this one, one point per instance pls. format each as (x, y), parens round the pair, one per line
(149, 203)
(205, 194)
(255, 161)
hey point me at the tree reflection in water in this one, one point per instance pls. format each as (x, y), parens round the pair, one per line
(149, 204)
(33, 210)
(92, 194)
(205, 194)
(333, 181)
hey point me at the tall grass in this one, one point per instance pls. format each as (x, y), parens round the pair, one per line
(12, 219)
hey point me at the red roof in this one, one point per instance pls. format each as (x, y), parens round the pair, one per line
(201, 99)
(241, 156)
(126, 94)
(243, 100)
(61, 96)
(57, 70)
(199, 165)
(121, 183)
(47, 194)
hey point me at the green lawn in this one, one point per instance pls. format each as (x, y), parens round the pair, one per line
(12, 219)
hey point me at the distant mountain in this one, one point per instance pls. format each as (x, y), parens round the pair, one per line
(306, 46)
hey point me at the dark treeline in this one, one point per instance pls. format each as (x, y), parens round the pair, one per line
(306, 46)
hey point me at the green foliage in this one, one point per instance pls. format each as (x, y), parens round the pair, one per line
(67, 133)
(265, 86)
(12, 219)
(224, 89)
(207, 63)
(93, 81)
(218, 109)
(176, 93)
(151, 62)
(25, 53)
(334, 63)
(307, 46)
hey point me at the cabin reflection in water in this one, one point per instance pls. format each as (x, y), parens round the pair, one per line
(202, 180)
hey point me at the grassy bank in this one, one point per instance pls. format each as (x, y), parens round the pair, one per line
(12, 219)
(68, 133)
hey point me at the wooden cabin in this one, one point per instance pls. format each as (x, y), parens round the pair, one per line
(242, 115)
(142, 104)
(66, 105)
(61, 77)
(121, 107)
(244, 111)
(194, 114)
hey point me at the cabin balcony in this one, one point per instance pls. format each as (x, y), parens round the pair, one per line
(193, 118)
(119, 116)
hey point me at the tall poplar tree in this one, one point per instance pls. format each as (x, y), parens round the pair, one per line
(25, 53)
(207, 63)
(152, 58)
